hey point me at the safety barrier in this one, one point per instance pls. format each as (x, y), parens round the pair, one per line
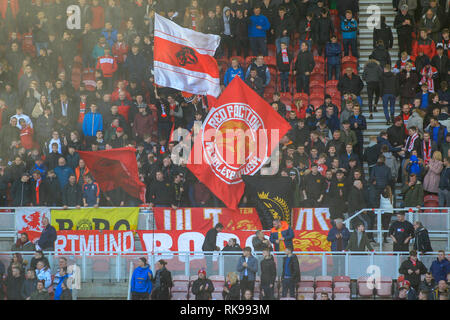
(115, 267)
(435, 220)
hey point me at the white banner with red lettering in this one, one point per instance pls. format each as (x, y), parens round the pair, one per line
(112, 241)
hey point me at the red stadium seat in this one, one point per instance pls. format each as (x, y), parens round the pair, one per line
(341, 296)
(180, 277)
(363, 287)
(305, 290)
(179, 296)
(217, 278)
(324, 281)
(305, 296)
(431, 201)
(286, 98)
(342, 289)
(317, 77)
(271, 61)
(332, 84)
(346, 59)
(301, 96)
(323, 289)
(384, 290)
(249, 60)
(180, 287)
(316, 102)
(341, 279)
(316, 87)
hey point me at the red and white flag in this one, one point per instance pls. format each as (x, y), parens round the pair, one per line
(184, 58)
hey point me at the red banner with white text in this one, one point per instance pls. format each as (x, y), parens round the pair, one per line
(203, 219)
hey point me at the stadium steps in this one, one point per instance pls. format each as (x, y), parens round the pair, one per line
(365, 46)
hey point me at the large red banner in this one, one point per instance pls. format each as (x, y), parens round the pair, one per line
(201, 219)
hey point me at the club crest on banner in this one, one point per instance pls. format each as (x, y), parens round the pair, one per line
(234, 141)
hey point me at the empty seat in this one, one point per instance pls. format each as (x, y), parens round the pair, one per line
(305, 290)
(217, 278)
(180, 278)
(342, 289)
(324, 281)
(270, 61)
(384, 290)
(217, 296)
(316, 102)
(341, 279)
(431, 201)
(305, 296)
(342, 285)
(317, 77)
(324, 289)
(307, 280)
(179, 296)
(365, 287)
(180, 287)
(341, 296)
(249, 60)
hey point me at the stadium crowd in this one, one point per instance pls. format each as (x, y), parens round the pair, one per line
(64, 90)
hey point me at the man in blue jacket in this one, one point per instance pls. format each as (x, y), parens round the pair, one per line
(281, 235)
(91, 192)
(333, 53)
(349, 28)
(247, 267)
(440, 267)
(141, 281)
(92, 122)
(257, 29)
(47, 239)
(63, 172)
(233, 71)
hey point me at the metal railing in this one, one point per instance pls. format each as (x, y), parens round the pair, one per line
(115, 267)
(435, 220)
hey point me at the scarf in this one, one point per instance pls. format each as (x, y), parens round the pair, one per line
(163, 111)
(82, 112)
(285, 56)
(426, 151)
(308, 26)
(410, 141)
(427, 77)
(38, 183)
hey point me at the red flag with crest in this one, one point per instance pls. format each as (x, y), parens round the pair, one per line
(238, 137)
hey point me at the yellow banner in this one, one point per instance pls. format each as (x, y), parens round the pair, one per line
(96, 219)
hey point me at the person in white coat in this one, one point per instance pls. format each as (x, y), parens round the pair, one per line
(387, 204)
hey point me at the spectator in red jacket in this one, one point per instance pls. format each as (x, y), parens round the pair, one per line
(425, 44)
(98, 16)
(121, 86)
(108, 65)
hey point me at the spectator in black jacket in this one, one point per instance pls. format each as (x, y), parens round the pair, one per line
(389, 92)
(412, 269)
(160, 193)
(14, 283)
(404, 23)
(284, 58)
(239, 28)
(21, 191)
(303, 67)
(401, 232)
(232, 246)
(202, 287)
(39, 190)
(72, 195)
(444, 184)
(283, 27)
(422, 241)
(381, 175)
(383, 33)
(351, 83)
(323, 29)
(381, 54)
(291, 273)
(268, 275)
(255, 82)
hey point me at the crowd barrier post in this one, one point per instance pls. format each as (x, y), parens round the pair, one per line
(130, 275)
(397, 260)
(379, 229)
(187, 267)
(83, 263)
(118, 260)
(346, 263)
(324, 264)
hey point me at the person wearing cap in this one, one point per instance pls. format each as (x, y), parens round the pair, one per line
(401, 232)
(441, 62)
(412, 269)
(404, 23)
(202, 288)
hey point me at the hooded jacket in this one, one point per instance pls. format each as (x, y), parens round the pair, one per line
(372, 71)
(141, 280)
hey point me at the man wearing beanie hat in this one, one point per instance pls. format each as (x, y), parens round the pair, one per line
(202, 287)
(404, 23)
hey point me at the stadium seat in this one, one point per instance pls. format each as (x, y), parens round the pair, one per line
(179, 296)
(319, 290)
(319, 60)
(217, 278)
(363, 290)
(271, 61)
(347, 59)
(180, 287)
(305, 290)
(385, 289)
(307, 280)
(249, 60)
(180, 277)
(317, 77)
(341, 279)
(342, 289)
(431, 201)
(324, 281)
(316, 102)
(305, 296)
(332, 83)
(342, 296)
(342, 285)
(217, 296)
(287, 298)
